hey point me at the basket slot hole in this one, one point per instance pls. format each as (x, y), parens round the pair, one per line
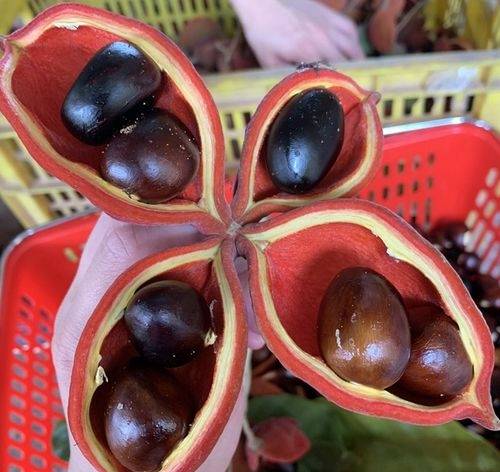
(38, 428)
(489, 209)
(385, 170)
(18, 386)
(491, 259)
(40, 355)
(415, 186)
(15, 468)
(400, 189)
(470, 103)
(476, 234)
(430, 182)
(15, 453)
(496, 220)
(57, 408)
(119, 8)
(428, 104)
(235, 147)
(24, 314)
(385, 193)
(133, 10)
(58, 468)
(18, 402)
(40, 368)
(39, 397)
(229, 121)
(388, 108)
(409, 103)
(38, 462)
(416, 162)
(44, 328)
(491, 177)
(38, 445)
(182, 7)
(39, 383)
(401, 166)
(247, 116)
(485, 243)
(16, 435)
(481, 198)
(427, 213)
(38, 413)
(24, 329)
(27, 301)
(156, 8)
(19, 371)
(42, 341)
(19, 355)
(448, 103)
(16, 418)
(431, 158)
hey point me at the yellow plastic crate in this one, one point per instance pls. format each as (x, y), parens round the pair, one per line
(413, 88)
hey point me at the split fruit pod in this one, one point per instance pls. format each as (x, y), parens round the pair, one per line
(298, 233)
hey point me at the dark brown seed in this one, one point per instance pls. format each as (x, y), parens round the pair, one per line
(147, 414)
(169, 322)
(439, 366)
(364, 334)
(154, 158)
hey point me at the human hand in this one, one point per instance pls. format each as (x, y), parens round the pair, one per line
(112, 247)
(283, 32)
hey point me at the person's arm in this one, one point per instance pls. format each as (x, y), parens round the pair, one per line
(283, 32)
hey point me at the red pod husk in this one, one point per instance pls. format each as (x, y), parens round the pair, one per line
(257, 196)
(294, 256)
(40, 63)
(214, 378)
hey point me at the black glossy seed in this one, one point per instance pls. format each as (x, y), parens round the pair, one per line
(118, 79)
(305, 140)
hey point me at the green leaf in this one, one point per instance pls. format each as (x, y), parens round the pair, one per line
(348, 442)
(60, 441)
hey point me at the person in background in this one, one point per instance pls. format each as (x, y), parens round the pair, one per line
(284, 32)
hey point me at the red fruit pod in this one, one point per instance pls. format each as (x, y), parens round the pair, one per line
(293, 258)
(356, 164)
(213, 378)
(41, 62)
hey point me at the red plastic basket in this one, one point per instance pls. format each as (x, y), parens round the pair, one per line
(444, 172)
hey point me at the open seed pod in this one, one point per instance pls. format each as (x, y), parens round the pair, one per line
(292, 260)
(294, 257)
(352, 158)
(42, 61)
(213, 379)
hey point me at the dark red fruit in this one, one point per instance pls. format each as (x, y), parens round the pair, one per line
(439, 367)
(169, 322)
(147, 414)
(153, 159)
(305, 140)
(364, 334)
(117, 79)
